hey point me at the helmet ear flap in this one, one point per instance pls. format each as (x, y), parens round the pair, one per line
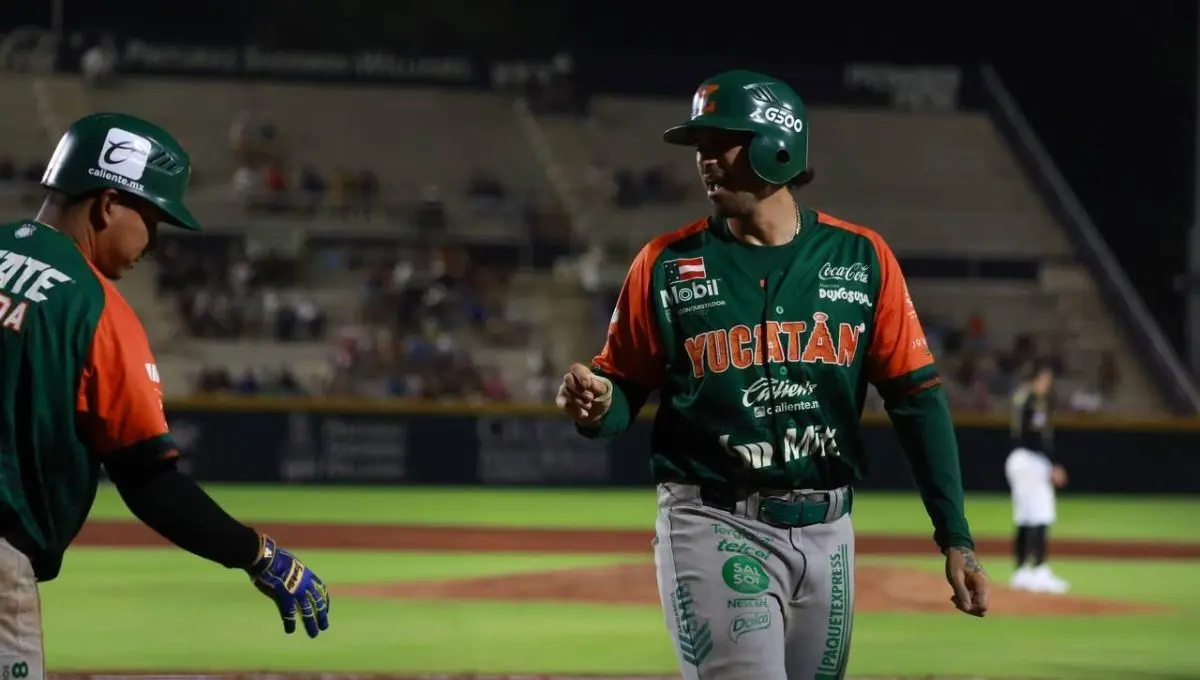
(773, 161)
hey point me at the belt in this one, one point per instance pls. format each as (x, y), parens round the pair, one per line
(784, 508)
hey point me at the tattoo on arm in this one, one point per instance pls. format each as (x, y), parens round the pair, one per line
(970, 562)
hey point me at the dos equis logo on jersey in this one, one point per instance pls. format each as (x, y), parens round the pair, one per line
(688, 287)
(123, 158)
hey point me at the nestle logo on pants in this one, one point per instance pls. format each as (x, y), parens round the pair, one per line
(746, 602)
(844, 295)
(683, 294)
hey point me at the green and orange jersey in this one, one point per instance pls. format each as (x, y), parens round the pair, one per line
(78, 384)
(763, 354)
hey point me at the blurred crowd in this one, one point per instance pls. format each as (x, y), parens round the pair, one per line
(429, 320)
(980, 374)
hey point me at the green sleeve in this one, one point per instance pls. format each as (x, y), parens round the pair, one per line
(926, 432)
(627, 401)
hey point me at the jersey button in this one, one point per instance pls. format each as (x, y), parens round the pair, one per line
(783, 371)
(779, 310)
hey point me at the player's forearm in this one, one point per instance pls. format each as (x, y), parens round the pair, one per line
(926, 432)
(627, 401)
(172, 504)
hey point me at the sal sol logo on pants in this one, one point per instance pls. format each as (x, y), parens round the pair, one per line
(745, 575)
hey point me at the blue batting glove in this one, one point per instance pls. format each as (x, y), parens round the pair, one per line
(291, 585)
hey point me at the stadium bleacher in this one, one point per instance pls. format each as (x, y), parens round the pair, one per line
(936, 185)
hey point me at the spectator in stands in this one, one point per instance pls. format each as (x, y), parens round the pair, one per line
(99, 63)
(431, 212)
(275, 187)
(659, 186)
(494, 386)
(1108, 375)
(247, 185)
(628, 192)
(241, 138)
(8, 169)
(975, 335)
(312, 189)
(543, 380)
(247, 383)
(214, 380)
(341, 188)
(367, 194)
(485, 192)
(33, 172)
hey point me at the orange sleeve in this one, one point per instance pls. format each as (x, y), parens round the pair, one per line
(633, 350)
(120, 398)
(898, 346)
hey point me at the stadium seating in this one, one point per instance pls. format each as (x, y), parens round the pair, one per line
(940, 185)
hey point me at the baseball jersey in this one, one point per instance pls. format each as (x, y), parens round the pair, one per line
(78, 383)
(1031, 426)
(762, 354)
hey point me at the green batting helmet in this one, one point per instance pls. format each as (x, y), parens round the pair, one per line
(117, 151)
(745, 101)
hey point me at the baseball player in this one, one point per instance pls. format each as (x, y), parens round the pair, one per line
(761, 327)
(1033, 476)
(79, 388)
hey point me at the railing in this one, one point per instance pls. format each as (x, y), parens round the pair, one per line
(1135, 319)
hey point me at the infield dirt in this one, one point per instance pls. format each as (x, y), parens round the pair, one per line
(879, 588)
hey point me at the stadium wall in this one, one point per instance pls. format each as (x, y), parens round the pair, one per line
(325, 441)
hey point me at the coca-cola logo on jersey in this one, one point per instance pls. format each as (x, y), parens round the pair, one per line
(854, 273)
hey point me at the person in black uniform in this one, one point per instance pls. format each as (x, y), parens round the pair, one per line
(1033, 475)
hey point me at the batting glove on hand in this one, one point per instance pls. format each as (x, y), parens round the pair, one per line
(280, 576)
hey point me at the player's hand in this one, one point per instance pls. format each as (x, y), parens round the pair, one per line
(291, 585)
(968, 580)
(1058, 475)
(584, 396)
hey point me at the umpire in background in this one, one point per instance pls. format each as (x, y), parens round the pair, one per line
(1033, 475)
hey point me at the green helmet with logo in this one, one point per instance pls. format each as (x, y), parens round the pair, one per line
(126, 153)
(766, 107)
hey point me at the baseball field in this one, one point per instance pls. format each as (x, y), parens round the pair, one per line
(442, 582)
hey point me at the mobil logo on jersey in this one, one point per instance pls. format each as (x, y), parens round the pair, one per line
(813, 341)
(688, 287)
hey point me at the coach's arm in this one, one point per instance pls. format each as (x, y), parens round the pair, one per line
(119, 415)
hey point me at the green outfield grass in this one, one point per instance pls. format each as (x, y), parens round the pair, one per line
(1099, 517)
(162, 609)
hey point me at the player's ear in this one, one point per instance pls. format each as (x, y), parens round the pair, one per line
(106, 207)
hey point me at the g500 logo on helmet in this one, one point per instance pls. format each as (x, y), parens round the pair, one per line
(783, 118)
(122, 158)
